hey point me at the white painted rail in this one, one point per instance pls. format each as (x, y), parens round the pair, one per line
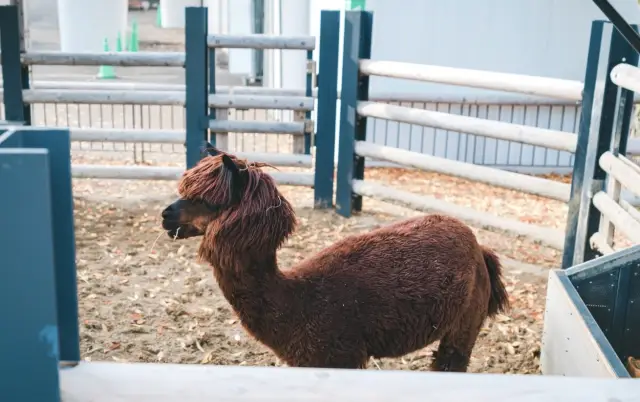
(618, 216)
(80, 96)
(163, 382)
(559, 140)
(501, 178)
(129, 59)
(169, 173)
(525, 84)
(626, 76)
(625, 172)
(150, 136)
(234, 101)
(265, 127)
(598, 241)
(547, 236)
(261, 41)
(175, 98)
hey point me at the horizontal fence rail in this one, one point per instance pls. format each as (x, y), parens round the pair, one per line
(617, 215)
(531, 85)
(626, 76)
(94, 97)
(124, 59)
(128, 135)
(261, 41)
(265, 127)
(623, 170)
(554, 139)
(550, 237)
(261, 102)
(496, 177)
(169, 173)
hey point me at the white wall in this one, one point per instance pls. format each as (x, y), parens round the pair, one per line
(172, 12)
(84, 25)
(240, 20)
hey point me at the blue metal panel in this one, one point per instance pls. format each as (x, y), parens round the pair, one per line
(610, 288)
(592, 326)
(58, 144)
(631, 346)
(15, 76)
(577, 181)
(357, 45)
(29, 340)
(196, 81)
(308, 93)
(599, 294)
(326, 114)
(212, 90)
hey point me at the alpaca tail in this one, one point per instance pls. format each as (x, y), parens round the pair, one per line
(499, 300)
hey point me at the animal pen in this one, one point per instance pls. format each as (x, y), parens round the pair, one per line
(51, 365)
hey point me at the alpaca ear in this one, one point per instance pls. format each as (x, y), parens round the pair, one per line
(206, 149)
(235, 184)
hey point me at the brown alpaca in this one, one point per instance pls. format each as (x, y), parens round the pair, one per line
(381, 294)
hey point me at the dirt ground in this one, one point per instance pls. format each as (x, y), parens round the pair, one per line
(145, 298)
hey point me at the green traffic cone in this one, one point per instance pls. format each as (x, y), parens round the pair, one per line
(134, 45)
(119, 42)
(106, 72)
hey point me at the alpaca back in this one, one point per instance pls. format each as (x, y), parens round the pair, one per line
(403, 285)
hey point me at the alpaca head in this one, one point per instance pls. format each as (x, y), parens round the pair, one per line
(223, 195)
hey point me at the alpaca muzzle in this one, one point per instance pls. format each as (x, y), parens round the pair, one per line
(174, 222)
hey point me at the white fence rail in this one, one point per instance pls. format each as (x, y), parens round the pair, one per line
(559, 140)
(531, 85)
(547, 236)
(501, 178)
(129, 59)
(169, 173)
(261, 41)
(626, 76)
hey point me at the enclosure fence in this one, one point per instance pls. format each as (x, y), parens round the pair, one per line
(358, 66)
(199, 109)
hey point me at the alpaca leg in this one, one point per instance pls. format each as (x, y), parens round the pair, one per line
(455, 348)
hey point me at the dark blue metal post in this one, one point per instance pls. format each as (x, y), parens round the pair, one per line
(212, 91)
(325, 138)
(355, 87)
(309, 93)
(580, 158)
(196, 81)
(29, 338)
(619, 52)
(58, 144)
(15, 76)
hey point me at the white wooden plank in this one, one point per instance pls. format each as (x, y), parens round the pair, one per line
(626, 76)
(261, 41)
(525, 84)
(142, 59)
(624, 171)
(560, 140)
(550, 237)
(169, 173)
(121, 382)
(617, 216)
(497, 177)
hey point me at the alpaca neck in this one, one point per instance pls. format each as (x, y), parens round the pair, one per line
(256, 289)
